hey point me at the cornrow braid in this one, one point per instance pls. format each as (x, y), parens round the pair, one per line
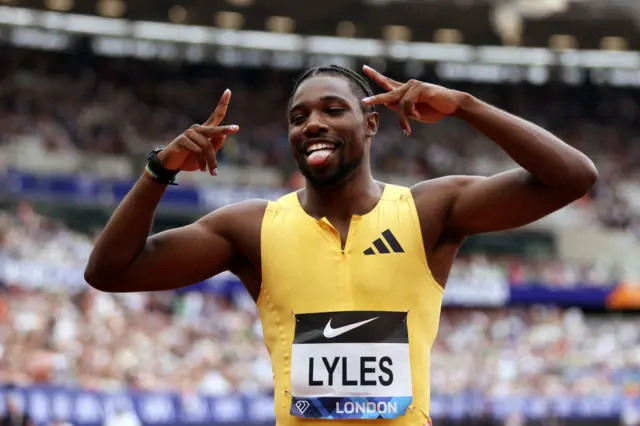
(359, 85)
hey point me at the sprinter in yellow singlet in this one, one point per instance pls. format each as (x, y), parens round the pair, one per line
(348, 273)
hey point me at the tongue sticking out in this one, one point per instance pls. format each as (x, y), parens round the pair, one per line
(318, 157)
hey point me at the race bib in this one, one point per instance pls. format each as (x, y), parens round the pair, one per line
(351, 365)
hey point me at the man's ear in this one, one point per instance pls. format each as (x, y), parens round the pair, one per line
(372, 120)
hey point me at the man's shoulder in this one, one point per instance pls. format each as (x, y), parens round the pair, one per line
(237, 216)
(258, 207)
(251, 208)
(442, 188)
(436, 197)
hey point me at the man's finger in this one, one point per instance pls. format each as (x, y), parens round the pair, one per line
(213, 131)
(407, 108)
(386, 98)
(193, 148)
(219, 142)
(206, 147)
(221, 110)
(381, 80)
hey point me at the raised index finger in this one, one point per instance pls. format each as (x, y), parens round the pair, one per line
(386, 98)
(381, 80)
(221, 110)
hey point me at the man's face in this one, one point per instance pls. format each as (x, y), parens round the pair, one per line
(328, 132)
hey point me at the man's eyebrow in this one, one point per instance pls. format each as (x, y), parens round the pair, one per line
(327, 98)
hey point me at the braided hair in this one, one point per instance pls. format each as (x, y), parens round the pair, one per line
(359, 85)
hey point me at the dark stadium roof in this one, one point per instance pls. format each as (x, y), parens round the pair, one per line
(423, 17)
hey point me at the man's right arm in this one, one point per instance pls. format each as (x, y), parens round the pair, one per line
(126, 259)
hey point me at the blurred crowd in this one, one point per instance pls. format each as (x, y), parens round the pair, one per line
(212, 345)
(536, 351)
(156, 342)
(124, 106)
(28, 236)
(114, 105)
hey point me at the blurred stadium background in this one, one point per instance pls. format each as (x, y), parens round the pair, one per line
(541, 324)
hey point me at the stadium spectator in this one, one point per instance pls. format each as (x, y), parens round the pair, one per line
(122, 416)
(60, 422)
(12, 415)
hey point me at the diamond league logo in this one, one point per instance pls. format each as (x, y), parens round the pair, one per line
(302, 406)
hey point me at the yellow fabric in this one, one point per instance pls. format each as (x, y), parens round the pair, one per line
(304, 270)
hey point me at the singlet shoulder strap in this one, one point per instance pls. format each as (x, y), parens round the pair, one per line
(288, 201)
(395, 192)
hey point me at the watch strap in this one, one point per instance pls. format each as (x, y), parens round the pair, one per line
(157, 172)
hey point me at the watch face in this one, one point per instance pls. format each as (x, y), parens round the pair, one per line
(155, 151)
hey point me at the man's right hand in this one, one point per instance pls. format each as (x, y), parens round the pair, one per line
(196, 148)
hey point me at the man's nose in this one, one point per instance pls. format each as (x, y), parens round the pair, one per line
(314, 125)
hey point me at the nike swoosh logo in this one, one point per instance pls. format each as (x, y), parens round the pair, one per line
(330, 333)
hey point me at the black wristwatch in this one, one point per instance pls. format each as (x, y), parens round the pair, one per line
(155, 170)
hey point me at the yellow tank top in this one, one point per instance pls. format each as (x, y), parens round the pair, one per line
(349, 331)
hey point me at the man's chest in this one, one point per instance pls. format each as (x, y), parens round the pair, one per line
(378, 263)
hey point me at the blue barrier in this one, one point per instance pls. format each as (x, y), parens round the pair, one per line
(580, 295)
(93, 190)
(86, 408)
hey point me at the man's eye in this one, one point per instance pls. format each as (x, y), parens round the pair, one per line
(297, 119)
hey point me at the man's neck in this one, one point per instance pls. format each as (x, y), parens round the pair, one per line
(358, 196)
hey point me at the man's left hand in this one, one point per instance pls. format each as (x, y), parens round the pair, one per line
(424, 102)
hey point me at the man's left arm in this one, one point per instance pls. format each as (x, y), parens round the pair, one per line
(553, 174)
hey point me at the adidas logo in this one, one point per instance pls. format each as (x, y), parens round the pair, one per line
(382, 248)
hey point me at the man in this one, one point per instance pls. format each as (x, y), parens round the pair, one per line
(12, 415)
(60, 421)
(121, 416)
(348, 273)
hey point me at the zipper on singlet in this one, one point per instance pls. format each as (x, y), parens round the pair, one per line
(353, 225)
